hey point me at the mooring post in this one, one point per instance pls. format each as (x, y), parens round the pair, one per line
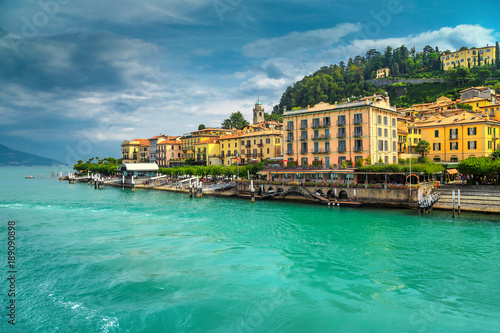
(252, 192)
(453, 202)
(458, 202)
(133, 185)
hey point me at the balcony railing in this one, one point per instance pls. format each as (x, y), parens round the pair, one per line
(358, 148)
(289, 128)
(321, 151)
(289, 152)
(287, 139)
(340, 122)
(303, 151)
(340, 135)
(358, 133)
(453, 136)
(259, 145)
(304, 137)
(316, 124)
(341, 150)
(357, 121)
(303, 126)
(247, 145)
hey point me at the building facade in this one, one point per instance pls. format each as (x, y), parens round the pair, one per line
(383, 73)
(131, 150)
(166, 151)
(469, 58)
(332, 134)
(453, 139)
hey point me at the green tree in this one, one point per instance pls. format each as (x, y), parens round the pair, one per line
(235, 120)
(201, 127)
(497, 55)
(462, 73)
(423, 147)
(395, 70)
(483, 74)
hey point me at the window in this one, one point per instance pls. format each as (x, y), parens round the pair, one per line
(385, 132)
(386, 145)
(341, 132)
(303, 161)
(409, 130)
(342, 159)
(380, 120)
(453, 145)
(358, 145)
(268, 140)
(471, 145)
(289, 148)
(385, 120)
(341, 147)
(303, 135)
(386, 160)
(358, 131)
(289, 125)
(436, 146)
(394, 134)
(358, 118)
(326, 121)
(303, 148)
(471, 131)
(316, 134)
(327, 146)
(380, 145)
(316, 147)
(289, 137)
(489, 144)
(436, 133)
(454, 133)
(394, 148)
(394, 122)
(415, 140)
(341, 120)
(379, 132)
(327, 133)
(315, 122)
(303, 123)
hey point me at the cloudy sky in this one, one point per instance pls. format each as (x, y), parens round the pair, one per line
(79, 77)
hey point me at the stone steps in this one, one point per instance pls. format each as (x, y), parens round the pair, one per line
(472, 198)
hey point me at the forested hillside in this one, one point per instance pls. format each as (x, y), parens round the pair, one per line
(338, 83)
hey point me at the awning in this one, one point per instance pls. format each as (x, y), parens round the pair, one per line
(452, 171)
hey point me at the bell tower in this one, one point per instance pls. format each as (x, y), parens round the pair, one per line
(258, 113)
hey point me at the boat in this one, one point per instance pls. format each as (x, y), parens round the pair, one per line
(29, 177)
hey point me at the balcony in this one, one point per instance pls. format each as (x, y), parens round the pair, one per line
(303, 138)
(289, 152)
(453, 136)
(303, 151)
(340, 135)
(289, 139)
(316, 137)
(326, 124)
(259, 145)
(340, 122)
(341, 150)
(402, 141)
(321, 151)
(358, 134)
(247, 145)
(303, 126)
(289, 128)
(357, 121)
(358, 148)
(316, 124)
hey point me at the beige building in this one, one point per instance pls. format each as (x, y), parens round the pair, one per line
(132, 150)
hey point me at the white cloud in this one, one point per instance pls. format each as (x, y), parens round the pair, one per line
(299, 41)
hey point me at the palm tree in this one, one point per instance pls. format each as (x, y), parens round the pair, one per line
(423, 147)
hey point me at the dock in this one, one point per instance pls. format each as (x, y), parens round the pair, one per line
(327, 201)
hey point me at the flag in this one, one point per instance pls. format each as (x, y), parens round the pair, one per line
(237, 156)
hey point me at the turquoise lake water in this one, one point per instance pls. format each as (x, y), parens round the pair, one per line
(111, 261)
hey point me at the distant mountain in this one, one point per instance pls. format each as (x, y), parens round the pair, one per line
(10, 157)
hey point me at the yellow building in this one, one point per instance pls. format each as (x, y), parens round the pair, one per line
(492, 110)
(477, 103)
(132, 150)
(188, 141)
(469, 58)
(260, 145)
(459, 137)
(207, 152)
(383, 73)
(230, 146)
(408, 137)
